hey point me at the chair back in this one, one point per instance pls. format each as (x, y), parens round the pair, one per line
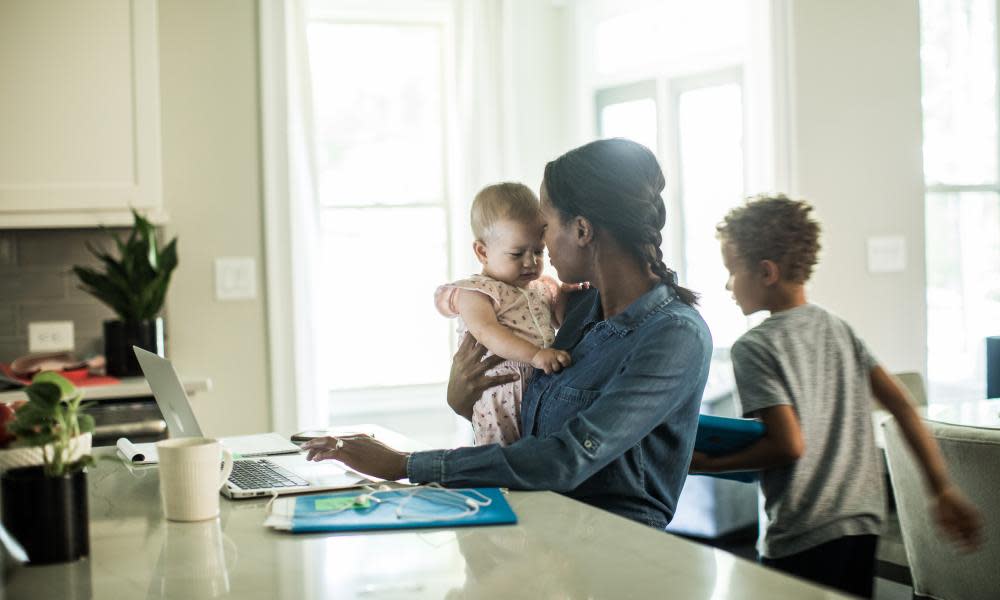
(914, 383)
(938, 569)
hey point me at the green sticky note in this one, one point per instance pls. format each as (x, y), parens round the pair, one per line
(339, 503)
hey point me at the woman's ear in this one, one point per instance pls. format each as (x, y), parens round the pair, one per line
(479, 249)
(584, 231)
(770, 273)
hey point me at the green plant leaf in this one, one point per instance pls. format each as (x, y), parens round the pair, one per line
(32, 415)
(44, 393)
(66, 387)
(133, 284)
(86, 423)
(148, 236)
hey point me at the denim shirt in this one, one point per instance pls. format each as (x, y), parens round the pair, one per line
(616, 429)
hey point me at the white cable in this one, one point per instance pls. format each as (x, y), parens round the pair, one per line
(454, 498)
(270, 503)
(433, 493)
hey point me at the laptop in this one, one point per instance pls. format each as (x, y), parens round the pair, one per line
(264, 464)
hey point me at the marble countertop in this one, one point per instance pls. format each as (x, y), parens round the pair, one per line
(129, 387)
(559, 549)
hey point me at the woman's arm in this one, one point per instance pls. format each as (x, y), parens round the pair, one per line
(477, 311)
(956, 516)
(781, 445)
(667, 370)
(468, 379)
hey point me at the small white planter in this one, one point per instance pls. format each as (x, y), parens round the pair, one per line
(13, 458)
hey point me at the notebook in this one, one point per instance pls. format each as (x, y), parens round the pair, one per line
(326, 512)
(724, 435)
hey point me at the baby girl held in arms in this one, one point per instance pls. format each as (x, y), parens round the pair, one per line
(510, 308)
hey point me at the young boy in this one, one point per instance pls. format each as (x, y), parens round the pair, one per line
(806, 375)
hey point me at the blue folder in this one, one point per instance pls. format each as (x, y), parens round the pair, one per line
(422, 511)
(724, 435)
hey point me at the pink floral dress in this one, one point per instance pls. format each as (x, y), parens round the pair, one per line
(496, 416)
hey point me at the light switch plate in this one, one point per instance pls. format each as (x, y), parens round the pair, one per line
(886, 254)
(235, 278)
(50, 336)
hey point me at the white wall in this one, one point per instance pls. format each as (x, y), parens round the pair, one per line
(211, 166)
(855, 150)
(855, 153)
(540, 74)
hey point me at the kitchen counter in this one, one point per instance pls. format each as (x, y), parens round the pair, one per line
(129, 387)
(125, 409)
(560, 548)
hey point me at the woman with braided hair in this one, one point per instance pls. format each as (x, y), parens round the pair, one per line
(616, 428)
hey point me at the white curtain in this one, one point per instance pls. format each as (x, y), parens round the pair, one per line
(483, 81)
(480, 132)
(291, 217)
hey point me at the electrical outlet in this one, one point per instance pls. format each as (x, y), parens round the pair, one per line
(235, 278)
(50, 336)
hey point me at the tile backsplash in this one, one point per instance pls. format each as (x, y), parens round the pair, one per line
(37, 284)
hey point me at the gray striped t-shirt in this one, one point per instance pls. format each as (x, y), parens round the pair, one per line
(809, 359)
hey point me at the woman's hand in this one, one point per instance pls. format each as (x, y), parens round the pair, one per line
(361, 453)
(958, 518)
(468, 379)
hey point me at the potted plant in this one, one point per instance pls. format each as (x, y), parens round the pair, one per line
(134, 285)
(44, 486)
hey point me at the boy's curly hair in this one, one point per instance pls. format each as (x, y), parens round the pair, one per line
(774, 228)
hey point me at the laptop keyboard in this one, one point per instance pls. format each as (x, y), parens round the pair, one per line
(263, 474)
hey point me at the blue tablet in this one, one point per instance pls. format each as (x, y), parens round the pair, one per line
(724, 435)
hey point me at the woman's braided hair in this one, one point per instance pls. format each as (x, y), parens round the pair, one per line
(616, 184)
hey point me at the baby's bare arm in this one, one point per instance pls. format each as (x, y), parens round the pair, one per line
(477, 311)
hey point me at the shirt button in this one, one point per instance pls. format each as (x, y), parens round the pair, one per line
(588, 444)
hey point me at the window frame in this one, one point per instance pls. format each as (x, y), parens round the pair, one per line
(665, 91)
(932, 188)
(373, 398)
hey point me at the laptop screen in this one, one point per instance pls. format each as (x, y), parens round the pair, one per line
(169, 394)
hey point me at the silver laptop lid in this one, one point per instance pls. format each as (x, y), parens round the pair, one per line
(169, 394)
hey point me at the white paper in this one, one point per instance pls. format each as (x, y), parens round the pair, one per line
(139, 454)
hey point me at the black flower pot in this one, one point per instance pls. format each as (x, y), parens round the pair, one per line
(47, 515)
(120, 336)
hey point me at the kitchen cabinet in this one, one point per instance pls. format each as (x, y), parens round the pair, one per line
(79, 113)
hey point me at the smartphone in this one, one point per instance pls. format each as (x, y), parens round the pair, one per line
(311, 434)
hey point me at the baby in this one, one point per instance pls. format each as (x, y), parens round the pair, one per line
(509, 308)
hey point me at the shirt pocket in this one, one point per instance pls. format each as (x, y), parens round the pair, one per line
(561, 404)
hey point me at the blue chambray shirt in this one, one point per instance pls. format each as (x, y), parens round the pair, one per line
(616, 429)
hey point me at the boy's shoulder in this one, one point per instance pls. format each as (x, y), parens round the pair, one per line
(790, 322)
(801, 329)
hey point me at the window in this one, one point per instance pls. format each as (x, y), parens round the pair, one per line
(962, 173)
(705, 173)
(380, 133)
(710, 133)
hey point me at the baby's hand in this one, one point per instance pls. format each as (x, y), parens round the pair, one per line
(574, 287)
(550, 360)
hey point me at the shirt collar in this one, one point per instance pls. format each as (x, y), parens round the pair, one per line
(640, 309)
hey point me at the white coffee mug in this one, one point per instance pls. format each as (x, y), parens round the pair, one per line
(190, 479)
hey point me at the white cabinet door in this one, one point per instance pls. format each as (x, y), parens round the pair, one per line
(79, 112)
